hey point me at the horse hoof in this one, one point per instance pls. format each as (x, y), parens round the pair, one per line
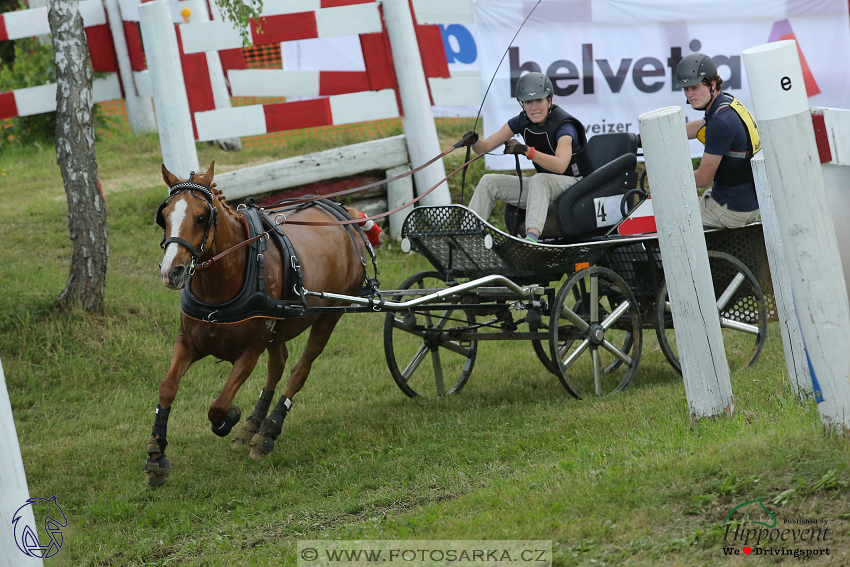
(233, 417)
(157, 471)
(245, 433)
(261, 446)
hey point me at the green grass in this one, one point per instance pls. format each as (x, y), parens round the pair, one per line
(626, 480)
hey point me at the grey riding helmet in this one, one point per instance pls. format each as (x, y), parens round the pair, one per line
(532, 86)
(693, 69)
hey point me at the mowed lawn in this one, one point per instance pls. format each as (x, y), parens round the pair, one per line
(625, 480)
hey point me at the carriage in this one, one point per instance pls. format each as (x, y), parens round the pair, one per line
(488, 285)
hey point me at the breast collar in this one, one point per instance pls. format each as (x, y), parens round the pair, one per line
(253, 300)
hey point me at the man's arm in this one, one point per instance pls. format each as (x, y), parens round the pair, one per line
(693, 127)
(704, 175)
(503, 135)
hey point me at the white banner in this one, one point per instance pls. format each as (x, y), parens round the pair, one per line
(612, 60)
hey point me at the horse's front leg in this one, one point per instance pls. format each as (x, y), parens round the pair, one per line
(223, 415)
(278, 354)
(157, 466)
(263, 441)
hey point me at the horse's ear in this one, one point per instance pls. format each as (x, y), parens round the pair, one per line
(208, 176)
(170, 178)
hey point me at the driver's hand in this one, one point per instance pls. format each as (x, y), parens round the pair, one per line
(514, 147)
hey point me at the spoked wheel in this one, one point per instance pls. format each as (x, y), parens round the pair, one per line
(595, 313)
(742, 310)
(423, 358)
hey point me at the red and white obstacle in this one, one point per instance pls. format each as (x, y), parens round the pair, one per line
(405, 65)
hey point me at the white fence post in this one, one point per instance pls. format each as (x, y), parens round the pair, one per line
(13, 485)
(808, 235)
(792, 339)
(399, 192)
(686, 268)
(169, 89)
(139, 109)
(221, 97)
(419, 129)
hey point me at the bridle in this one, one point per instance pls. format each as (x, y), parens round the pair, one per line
(212, 217)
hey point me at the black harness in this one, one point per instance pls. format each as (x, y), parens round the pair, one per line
(253, 300)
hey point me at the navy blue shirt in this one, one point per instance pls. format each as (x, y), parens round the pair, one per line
(725, 132)
(565, 130)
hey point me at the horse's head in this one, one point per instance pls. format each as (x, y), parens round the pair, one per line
(190, 220)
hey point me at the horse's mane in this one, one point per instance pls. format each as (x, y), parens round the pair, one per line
(222, 200)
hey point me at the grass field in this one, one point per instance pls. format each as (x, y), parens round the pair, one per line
(625, 480)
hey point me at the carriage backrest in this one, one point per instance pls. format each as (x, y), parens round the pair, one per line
(604, 148)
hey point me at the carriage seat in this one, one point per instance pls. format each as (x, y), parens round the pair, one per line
(614, 159)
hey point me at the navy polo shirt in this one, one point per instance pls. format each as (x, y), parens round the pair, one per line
(725, 132)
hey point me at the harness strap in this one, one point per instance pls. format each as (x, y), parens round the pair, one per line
(178, 240)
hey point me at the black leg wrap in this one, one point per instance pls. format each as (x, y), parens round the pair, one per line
(224, 428)
(261, 410)
(270, 430)
(160, 426)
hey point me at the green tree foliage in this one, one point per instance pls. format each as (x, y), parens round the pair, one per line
(7, 48)
(240, 14)
(32, 66)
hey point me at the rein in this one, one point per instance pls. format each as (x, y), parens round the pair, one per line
(209, 262)
(382, 215)
(370, 185)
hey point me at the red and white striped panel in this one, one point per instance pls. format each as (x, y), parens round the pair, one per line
(832, 134)
(262, 119)
(464, 89)
(28, 23)
(37, 100)
(324, 22)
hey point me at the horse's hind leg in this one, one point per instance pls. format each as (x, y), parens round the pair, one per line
(277, 360)
(263, 442)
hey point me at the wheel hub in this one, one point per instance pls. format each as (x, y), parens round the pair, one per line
(595, 335)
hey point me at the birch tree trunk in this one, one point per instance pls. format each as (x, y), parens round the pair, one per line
(76, 157)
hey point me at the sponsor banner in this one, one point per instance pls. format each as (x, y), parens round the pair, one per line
(612, 60)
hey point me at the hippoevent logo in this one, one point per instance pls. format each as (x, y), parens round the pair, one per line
(26, 536)
(792, 531)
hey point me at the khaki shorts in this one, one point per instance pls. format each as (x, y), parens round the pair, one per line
(718, 216)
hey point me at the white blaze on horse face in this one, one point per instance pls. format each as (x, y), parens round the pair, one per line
(174, 221)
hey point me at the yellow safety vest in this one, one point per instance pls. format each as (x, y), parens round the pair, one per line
(752, 130)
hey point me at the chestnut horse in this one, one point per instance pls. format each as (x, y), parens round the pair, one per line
(198, 226)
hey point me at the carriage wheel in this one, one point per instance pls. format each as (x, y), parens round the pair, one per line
(595, 312)
(742, 309)
(422, 359)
